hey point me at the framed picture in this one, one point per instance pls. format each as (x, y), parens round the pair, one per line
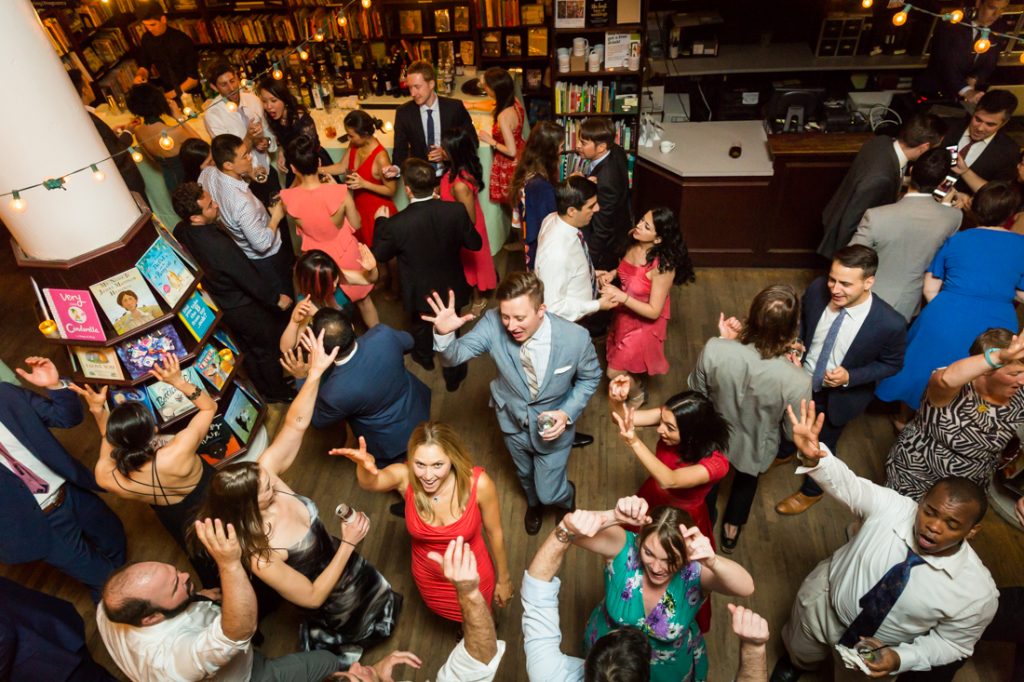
(532, 15)
(570, 13)
(461, 18)
(534, 79)
(467, 50)
(490, 44)
(513, 45)
(426, 51)
(445, 51)
(410, 21)
(442, 22)
(537, 42)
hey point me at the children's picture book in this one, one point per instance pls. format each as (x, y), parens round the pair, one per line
(142, 352)
(119, 396)
(461, 18)
(219, 442)
(225, 340)
(75, 314)
(168, 401)
(126, 300)
(197, 315)
(212, 367)
(98, 363)
(162, 268)
(241, 414)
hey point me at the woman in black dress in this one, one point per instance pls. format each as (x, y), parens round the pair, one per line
(288, 120)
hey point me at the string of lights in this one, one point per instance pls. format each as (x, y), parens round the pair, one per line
(165, 141)
(985, 34)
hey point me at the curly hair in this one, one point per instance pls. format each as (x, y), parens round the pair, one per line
(671, 251)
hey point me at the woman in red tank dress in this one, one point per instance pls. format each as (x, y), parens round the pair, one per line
(690, 459)
(656, 259)
(445, 497)
(506, 134)
(462, 182)
(325, 218)
(365, 160)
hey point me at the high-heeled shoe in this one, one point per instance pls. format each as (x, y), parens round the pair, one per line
(726, 544)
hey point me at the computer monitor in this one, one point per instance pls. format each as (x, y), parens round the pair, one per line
(790, 110)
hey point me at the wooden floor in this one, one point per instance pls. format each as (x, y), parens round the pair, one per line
(778, 551)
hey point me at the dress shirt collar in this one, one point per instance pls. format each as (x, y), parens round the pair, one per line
(542, 335)
(860, 311)
(952, 564)
(901, 157)
(433, 106)
(593, 164)
(341, 361)
(414, 200)
(237, 183)
(559, 220)
(966, 138)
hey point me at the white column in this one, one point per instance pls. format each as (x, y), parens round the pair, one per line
(44, 132)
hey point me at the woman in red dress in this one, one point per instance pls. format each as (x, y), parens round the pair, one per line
(462, 182)
(506, 134)
(656, 259)
(445, 497)
(690, 458)
(365, 160)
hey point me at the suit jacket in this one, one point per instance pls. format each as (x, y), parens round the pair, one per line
(953, 61)
(876, 351)
(573, 374)
(228, 274)
(906, 235)
(427, 237)
(873, 180)
(29, 416)
(606, 233)
(410, 138)
(998, 161)
(390, 401)
(41, 637)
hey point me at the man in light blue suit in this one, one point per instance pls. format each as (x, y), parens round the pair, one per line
(547, 371)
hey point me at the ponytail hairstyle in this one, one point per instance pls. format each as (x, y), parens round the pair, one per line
(130, 430)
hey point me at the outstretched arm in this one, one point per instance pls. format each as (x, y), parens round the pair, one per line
(945, 383)
(683, 477)
(752, 631)
(61, 409)
(459, 567)
(393, 477)
(601, 532)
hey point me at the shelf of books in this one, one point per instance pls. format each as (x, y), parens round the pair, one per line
(119, 310)
(515, 36)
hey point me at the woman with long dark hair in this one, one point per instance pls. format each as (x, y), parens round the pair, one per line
(506, 134)
(365, 161)
(195, 156)
(348, 604)
(656, 259)
(532, 193)
(462, 182)
(159, 117)
(288, 120)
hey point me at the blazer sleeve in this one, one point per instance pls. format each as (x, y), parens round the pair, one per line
(471, 239)
(401, 151)
(384, 245)
(890, 354)
(237, 267)
(875, 190)
(478, 341)
(698, 379)
(61, 410)
(462, 118)
(588, 378)
(610, 192)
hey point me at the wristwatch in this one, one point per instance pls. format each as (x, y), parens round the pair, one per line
(563, 535)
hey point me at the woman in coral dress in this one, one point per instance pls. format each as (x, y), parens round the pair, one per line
(365, 160)
(656, 259)
(506, 134)
(326, 220)
(462, 182)
(445, 497)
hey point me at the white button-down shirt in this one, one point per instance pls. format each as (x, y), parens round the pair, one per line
(542, 634)
(219, 120)
(538, 347)
(901, 157)
(190, 646)
(34, 464)
(562, 264)
(244, 215)
(847, 333)
(976, 149)
(948, 601)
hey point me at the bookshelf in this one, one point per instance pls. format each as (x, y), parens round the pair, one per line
(515, 35)
(79, 295)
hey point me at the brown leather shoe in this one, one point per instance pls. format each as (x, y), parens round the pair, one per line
(779, 461)
(797, 503)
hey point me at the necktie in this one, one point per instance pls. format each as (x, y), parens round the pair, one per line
(962, 152)
(879, 600)
(32, 481)
(818, 377)
(590, 264)
(431, 136)
(531, 372)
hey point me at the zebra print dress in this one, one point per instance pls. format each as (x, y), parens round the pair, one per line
(964, 438)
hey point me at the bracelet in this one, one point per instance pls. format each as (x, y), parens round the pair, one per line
(194, 394)
(346, 542)
(563, 535)
(988, 358)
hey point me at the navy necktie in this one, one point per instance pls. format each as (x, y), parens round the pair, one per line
(431, 136)
(879, 600)
(818, 377)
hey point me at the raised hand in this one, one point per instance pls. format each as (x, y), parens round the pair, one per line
(748, 626)
(631, 511)
(319, 359)
(583, 523)
(96, 400)
(382, 212)
(42, 372)
(367, 261)
(459, 565)
(625, 423)
(698, 546)
(294, 363)
(806, 430)
(360, 456)
(445, 319)
(385, 668)
(728, 328)
(1013, 352)
(303, 311)
(168, 369)
(354, 532)
(219, 540)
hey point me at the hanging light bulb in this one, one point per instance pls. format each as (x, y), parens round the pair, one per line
(319, 35)
(956, 16)
(900, 17)
(866, 4)
(17, 203)
(982, 44)
(187, 112)
(232, 107)
(342, 20)
(366, 4)
(136, 154)
(388, 127)
(97, 174)
(277, 73)
(166, 143)
(303, 55)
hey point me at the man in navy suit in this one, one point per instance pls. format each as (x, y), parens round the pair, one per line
(369, 386)
(43, 638)
(47, 499)
(853, 340)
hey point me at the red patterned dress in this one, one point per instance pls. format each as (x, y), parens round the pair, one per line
(504, 166)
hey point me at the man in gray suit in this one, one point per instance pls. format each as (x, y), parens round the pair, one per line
(875, 178)
(547, 371)
(906, 235)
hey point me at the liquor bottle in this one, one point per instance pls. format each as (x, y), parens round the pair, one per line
(304, 93)
(449, 75)
(389, 77)
(460, 67)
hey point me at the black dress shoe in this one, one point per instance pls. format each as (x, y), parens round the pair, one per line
(728, 545)
(452, 383)
(533, 519)
(785, 671)
(425, 363)
(582, 440)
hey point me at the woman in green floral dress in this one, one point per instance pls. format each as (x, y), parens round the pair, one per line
(656, 580)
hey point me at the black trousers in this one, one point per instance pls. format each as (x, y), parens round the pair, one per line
(423, 348)
(277, 269)
(741, 498)
(258, 331)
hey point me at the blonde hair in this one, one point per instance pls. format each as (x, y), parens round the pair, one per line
(443, 436)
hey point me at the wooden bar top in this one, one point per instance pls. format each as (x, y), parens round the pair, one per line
(816, 144)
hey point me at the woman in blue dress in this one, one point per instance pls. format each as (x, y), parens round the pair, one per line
(970, 287)
(655, 580)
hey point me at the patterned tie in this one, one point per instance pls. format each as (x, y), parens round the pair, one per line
(879, 600)
(818, 377)
(531, 372)
(32, 481)
(590, 264)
